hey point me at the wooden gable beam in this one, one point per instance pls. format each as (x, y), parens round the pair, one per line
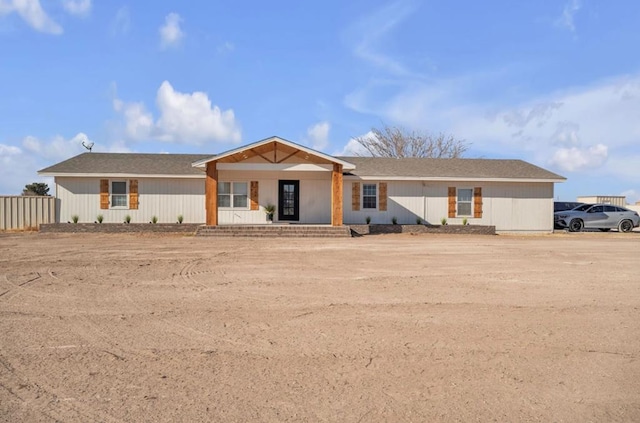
(264, 157)
(292, 154)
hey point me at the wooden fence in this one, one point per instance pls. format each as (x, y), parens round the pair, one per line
(26, 212)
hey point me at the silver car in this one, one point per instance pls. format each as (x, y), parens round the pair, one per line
(597, 216)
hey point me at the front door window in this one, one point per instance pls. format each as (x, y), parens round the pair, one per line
(289, 199)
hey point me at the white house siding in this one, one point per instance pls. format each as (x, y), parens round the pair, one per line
(510, 207)
(162, 197)
(315, 195)
(519, 207)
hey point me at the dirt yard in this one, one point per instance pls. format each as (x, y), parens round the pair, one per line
(393, 328)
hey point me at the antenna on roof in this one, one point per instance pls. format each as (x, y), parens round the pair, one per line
(88, 145)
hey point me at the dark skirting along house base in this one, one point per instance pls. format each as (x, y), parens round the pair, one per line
(317, 231)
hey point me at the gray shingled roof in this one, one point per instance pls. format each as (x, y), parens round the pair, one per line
(129, 163)
(180, 164)
(448, 168)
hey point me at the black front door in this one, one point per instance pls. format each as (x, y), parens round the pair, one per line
(288, 200)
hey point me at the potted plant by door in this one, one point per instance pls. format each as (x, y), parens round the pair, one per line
(269, 209)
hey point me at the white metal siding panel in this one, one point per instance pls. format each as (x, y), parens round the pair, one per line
(164, 198)
(518, 207)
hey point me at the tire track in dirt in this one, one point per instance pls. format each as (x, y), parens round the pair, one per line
(10, 288)
(35, 394)
(178, 329)
(45, 400)
(189, 274)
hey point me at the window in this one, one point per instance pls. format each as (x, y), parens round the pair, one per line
(119, 194)
(465, 200)
(233, 195)
(369, 196)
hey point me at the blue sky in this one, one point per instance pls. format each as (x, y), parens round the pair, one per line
(553, 82)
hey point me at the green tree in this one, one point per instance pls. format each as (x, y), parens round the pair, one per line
(36, 188)
(397, 142)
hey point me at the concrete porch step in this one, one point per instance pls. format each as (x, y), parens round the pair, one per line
(292, 231)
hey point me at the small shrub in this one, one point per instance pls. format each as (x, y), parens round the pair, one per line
(465, 221)
(127, 219)
(75, 218)
(418, 221)
(394, 220)
(154, 219)
(368, 219)
(100, 218)
(269, 210)
(180, 219)
(443, 221)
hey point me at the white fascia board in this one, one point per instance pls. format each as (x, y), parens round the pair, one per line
(445, 179)
(202, 163)
(119, 175)
(305, 167)
(345, 165)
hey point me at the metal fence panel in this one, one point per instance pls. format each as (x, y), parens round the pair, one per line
(26, 212)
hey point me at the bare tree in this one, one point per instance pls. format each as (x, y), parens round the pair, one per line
(393, 141)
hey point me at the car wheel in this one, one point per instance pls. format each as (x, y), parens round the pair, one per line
(576, 225)
(605, 229)
(625, 226)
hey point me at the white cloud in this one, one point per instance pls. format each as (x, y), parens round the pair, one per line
(183, 118)
(318, 135)
(595, 125)
(121, 23)
(633, 195)
(8, 150)
(568, 14)
(226, 47)
(170, 33)
(33, 14)
(576, 158)
(57, 149)
(19, 165)
(139, 122)
(354, 148)
(79, 8)
(373, 28)
(191, 117)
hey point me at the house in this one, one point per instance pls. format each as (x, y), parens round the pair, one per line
(306, 186)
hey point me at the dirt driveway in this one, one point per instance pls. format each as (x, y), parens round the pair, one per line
(393, 328)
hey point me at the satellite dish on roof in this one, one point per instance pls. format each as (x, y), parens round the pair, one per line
(88, 145)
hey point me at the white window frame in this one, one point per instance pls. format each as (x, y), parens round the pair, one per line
(466, 202)
(377, 196)
(232, 195)
(126, 194)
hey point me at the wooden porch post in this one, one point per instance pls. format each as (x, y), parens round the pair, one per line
(336, 195)
(211, 194)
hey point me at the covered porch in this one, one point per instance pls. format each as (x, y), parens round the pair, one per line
(304, 185)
